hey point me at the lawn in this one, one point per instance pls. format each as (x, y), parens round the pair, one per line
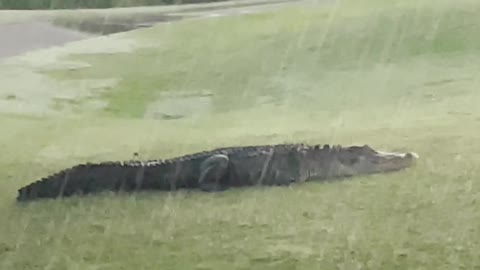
(400, 75)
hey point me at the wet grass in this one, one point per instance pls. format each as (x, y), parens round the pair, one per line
(274, 60)
(401, 78)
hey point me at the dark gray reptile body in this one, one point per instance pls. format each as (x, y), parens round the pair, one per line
(247, 165)
(214, 170)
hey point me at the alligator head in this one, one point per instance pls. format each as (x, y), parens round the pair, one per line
(339, 161)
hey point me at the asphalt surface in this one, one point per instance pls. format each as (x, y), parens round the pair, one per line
(21, 37)
(26, 36)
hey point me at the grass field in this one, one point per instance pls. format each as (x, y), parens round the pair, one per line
(397, 76)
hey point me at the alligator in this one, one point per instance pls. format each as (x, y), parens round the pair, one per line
(220, 169)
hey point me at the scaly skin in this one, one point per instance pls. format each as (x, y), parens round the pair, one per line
(220, 169)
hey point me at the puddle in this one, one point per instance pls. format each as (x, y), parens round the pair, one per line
(173, 105)
(25, 91)
(177, 107)
(39, 94)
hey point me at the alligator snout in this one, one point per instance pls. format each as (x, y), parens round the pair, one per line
(412, 155)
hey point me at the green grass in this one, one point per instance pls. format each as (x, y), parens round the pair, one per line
(398, 76)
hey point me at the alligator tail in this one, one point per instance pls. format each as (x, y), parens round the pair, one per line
(85, 179)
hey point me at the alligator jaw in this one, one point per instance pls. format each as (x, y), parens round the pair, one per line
(393, 161)
(355, 160)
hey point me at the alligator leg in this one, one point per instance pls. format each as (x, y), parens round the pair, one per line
(212, 170)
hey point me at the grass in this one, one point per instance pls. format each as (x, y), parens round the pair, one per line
(400, 75)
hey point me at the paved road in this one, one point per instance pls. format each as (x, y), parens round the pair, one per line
(26, 36)
(21, 37)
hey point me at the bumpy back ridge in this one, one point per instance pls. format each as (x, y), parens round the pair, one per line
(117, 175)
(80, 179)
